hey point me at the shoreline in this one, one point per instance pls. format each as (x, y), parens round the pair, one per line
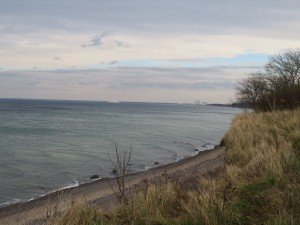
(98, 191)
(76, 183)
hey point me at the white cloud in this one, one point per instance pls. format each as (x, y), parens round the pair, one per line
(29, 51)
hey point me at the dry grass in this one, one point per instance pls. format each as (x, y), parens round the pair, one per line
(82, 215)
(260, 183)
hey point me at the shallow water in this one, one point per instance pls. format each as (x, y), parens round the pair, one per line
(46, 145)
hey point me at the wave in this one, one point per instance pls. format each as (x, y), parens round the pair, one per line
(15, 201)
(75, 183)
(147, 167)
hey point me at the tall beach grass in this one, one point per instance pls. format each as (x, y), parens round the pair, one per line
(259, 183)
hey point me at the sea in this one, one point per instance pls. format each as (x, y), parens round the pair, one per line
(47, 145)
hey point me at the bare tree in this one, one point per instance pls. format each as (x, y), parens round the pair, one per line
(283, 72)
(253, 91)
(120, 169)
(285, 66)
(277, 87)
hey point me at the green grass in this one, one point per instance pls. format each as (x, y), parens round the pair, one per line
(260, 183)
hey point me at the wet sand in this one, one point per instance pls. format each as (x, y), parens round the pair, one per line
(100, 192)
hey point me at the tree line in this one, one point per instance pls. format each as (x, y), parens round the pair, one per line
(277, 87)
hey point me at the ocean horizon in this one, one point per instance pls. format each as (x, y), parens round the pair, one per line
(48, 145)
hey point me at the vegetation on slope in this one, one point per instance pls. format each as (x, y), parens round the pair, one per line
(260, 183)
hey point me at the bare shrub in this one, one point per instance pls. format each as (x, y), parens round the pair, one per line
(120, 169)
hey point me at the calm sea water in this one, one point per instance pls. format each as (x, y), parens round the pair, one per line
(46, 145)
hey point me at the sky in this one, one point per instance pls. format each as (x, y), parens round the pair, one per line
(138, 50)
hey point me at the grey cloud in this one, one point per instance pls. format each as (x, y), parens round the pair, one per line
(212, 73)
(187, 60)
(121, 44)
(95, 41)
(234, 17)
(60, 83)
(113, 62)
(239, 67)
(34, 83)
(120, 74)
(9, 75)
(173, 85)
(90, 83)
(213, 85)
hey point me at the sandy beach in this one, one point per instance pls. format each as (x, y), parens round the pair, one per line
(100, 192)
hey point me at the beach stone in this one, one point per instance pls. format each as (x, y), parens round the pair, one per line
(156, 163)
(197, 150)
(94, 177)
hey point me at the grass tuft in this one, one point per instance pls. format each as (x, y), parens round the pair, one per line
(260, 183)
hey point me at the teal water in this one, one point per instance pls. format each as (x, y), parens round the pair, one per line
(46, 145)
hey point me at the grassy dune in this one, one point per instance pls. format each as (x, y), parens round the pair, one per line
(259, 184)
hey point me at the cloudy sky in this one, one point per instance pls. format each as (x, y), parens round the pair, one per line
(138, 50)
